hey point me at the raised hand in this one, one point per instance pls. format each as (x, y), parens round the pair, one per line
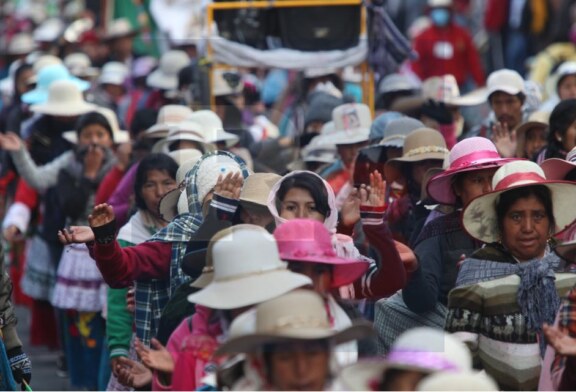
(563, 343)
(10, 141)
(156, 357)
(374, 195)
(93, 161)
(101, 214)
(131, 373)
(504, 140)
(76, 235)
(229, 186)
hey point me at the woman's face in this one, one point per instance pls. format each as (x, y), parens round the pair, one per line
(473, 184)
(567, 88)
(95, 134)
(535, 140)
(299, 366)
(319, 273)
(298, 203)
(526, 228)
(569, 139)
(158, 183)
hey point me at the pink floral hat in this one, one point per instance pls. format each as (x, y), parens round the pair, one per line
(475, 153)
(306, 240)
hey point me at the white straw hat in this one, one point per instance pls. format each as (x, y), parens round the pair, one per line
(352, 123)
(21, 43)
(165, 77)
(243, 277)
(50, 30)
(168, 117)
(64, 99)
(118, 28)
(212, 128)
(114, 72)
(463, 381)
(120, 136)
(479, 217)
(297, 315)
(44, 61)
(80, 65)
(186, 130)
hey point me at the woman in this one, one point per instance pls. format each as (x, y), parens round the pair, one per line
(76, 174)
(307, 247)
(290, 356)
(155, 177)
(561, 131)
(442, 243)
(303, 194)
(507, 290)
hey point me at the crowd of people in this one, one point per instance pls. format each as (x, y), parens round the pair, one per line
(289, 236)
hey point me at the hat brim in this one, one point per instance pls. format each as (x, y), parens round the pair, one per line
(203, 280)
(439, 187)
(159, 80)
(352, 136)
(392, 168)
(251, 343)
(557, 169)
(130, 33)
(39, 95)
(158, 130)
(480, 221)
(168, 206)
(522, 129)
(63, 109)
(502, 89)
(248, 290)
(345, 271)
(396, 141)
(228, 138)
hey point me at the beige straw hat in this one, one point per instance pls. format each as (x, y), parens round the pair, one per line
(64, 99)
(168, 117)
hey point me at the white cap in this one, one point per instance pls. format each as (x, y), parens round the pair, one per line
(439, 3)
(114, 72)
(506, 81)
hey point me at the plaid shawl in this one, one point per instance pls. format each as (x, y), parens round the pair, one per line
(179, 232)
(566, 322)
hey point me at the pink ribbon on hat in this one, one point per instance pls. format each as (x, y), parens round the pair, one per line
(434, 361)
(516, 177)
(475, 156)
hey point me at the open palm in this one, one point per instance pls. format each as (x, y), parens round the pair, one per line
(76, 235)
(156, 357)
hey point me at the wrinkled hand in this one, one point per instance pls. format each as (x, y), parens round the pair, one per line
(10, 141)
(157, 357)
(563, 343)
(93, 161)
(123, 155)
(374, 195)
(350, 211)
(20, 365)
(504, 140)
(12, 233)
(76, 235)
(101, 214)
(132, 374)
(229, 186)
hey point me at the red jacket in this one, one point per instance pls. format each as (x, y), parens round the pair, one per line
(448, 50)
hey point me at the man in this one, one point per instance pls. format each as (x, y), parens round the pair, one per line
(446, 48)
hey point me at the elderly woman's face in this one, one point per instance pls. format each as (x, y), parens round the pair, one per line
(299, 367)
(525, 228)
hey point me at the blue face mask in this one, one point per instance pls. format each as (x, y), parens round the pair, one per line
(440, 16)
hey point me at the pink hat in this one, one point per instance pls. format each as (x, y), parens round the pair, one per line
(475, 153)
(307, 240)
(558, 169)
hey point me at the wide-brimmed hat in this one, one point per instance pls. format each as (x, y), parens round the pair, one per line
(21, 43)
(461, 381)
(396, 82)
(119, 28)
(380, 122)
(298, 315)
(420, 145)
(396, 131)
(64, 99)
(175, 201)
(319, 151)
(306, 240)
(536, 119)
(352, 123)
(243, 277)
(475, 153)
(168, 117)
(257, 187)
(120, 136)
(49, 31)
(115, 73)
(186, 130)
(165, 77)
(45, 78)
(80, 65)
(479, 217)
(440, 89)
(43, 61)
(213, 128)
(558, 169)
(504, 80)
